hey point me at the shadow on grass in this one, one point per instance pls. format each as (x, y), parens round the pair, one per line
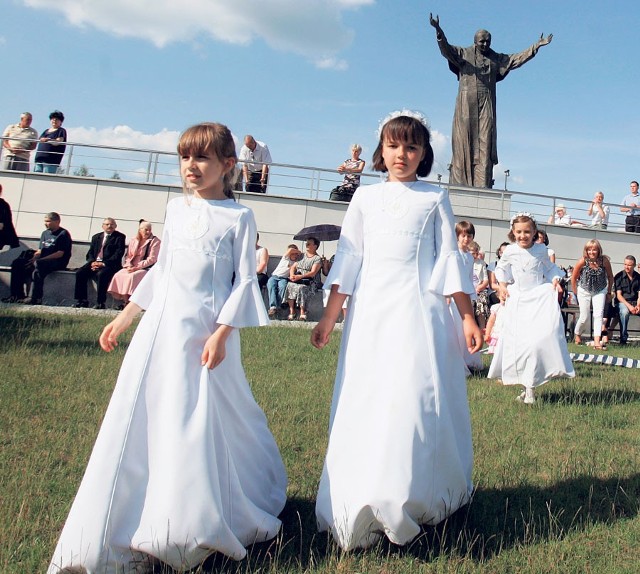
(16, 330)
(581, 397)
(496, 520)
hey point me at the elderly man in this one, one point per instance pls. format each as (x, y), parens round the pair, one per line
(53, 254)
(474, 136)
(631, 207)
(255, 159)
(104, 259)
(21, 140)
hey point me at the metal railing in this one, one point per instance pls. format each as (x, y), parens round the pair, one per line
(135, 165)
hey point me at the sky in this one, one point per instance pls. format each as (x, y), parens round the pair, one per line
(311, 77)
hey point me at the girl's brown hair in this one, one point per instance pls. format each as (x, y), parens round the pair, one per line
(405, 129)
(523, 219)
(210, 137)
(466, 227)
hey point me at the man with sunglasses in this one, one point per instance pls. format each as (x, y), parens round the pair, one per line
(255, 159)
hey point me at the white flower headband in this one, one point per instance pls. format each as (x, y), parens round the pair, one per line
(403, 112)
(522, 214)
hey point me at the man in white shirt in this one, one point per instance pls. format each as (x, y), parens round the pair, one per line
(255, 159)
(598, 211)
(631, 206)
(21, 140)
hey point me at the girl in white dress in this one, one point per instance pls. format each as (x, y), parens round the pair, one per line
(400, 452)
(184, 464)
(531, 348)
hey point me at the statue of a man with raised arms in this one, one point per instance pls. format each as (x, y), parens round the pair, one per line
(474, 134)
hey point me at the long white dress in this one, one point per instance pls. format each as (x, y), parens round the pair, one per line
(400, 452)
(184, 464)
(472, 361)
(531, 348)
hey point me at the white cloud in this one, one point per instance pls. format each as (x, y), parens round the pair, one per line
(124, 136)
(313, 28)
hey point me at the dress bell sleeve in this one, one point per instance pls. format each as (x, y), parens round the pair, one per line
(349, 255)
(244, 307)
(450, 274)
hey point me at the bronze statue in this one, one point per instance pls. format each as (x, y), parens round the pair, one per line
(474, 133)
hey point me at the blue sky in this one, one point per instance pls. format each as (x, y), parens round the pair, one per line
(310, 77)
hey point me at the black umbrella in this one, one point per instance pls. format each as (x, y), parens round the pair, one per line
(322, 232)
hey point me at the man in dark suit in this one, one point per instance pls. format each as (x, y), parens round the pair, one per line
(104, 259)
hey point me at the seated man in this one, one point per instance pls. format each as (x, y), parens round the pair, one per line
(104, 259)
(561, 217)
(52, 254)
(627, 286)
(277, 283)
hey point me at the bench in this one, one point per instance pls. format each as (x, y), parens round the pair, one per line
(570, 316)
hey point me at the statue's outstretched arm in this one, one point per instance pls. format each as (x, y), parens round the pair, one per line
(544, 41)
(435, 22)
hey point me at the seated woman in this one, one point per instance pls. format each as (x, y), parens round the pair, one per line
(352, 168)
(304, 277)
(141, 256)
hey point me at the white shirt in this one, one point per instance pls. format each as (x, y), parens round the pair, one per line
(254, 159)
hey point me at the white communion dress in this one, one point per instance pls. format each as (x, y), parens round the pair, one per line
(400, 452)
(531, 348)
(184, 464)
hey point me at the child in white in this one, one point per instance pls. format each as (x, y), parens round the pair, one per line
(465, 232)
(494, 326)
(400, 452)
(184, 464)
(532, 348)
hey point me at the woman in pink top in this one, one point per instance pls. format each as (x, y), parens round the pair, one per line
(141, 256)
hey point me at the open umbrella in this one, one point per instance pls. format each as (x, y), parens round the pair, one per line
(322, 232)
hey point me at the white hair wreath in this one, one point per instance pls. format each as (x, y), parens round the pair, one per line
(522, 214)
(403, 112)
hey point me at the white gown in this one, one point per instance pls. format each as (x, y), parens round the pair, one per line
(471, 361)
(184, 464)
(531, 348)
(400, 452)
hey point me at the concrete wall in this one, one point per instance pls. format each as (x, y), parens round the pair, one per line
(84, 202)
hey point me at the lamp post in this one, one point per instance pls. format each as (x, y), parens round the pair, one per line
(506, 177)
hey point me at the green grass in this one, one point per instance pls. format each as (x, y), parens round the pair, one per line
(557, 484)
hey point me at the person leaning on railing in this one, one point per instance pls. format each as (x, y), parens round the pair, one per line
(631, 206)
(255, 157)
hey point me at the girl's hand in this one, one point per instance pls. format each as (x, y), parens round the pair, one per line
(472, 334)
(556, 285)
(109, 337)
(321, 333)
(214, 350)
(503, 293)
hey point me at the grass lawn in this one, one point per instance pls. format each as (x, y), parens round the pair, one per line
(557, 484)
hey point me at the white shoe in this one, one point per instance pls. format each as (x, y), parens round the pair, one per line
(527, 397)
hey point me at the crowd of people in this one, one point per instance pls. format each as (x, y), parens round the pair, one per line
(185, 465)
(106, 263)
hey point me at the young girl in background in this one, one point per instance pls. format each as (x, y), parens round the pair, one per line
(400, 452)
(531, 348)
(465, 232)
(184, 464)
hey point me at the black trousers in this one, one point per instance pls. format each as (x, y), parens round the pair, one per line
(632, 223)
(254, 185)
(102, 277)
(23, 273)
